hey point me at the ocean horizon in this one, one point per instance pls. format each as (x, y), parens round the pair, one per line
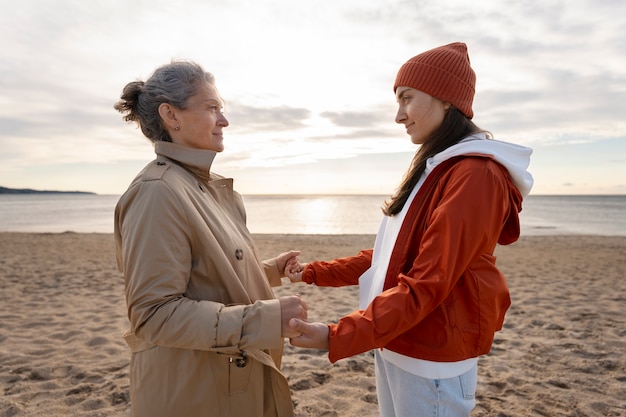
(310, 214)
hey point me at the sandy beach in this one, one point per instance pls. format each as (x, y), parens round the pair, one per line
(562, 351)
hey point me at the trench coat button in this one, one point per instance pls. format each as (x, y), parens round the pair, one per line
(160, 163)
(242, 362)
(239, 254)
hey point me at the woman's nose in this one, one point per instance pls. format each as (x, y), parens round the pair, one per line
(223, 120)
(400, 116)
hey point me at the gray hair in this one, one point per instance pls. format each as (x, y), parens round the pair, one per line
(173, 83)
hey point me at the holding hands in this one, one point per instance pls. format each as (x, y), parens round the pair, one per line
(293, 312)
(309, 335)
(286, 261)
(295, 327)
(301, 333)
(294, 269)
(292, 307)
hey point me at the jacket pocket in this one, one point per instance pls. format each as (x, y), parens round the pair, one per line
(449, 309)
(469, 382)
(239, 376)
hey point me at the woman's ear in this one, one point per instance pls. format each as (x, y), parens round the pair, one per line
(446, 106)
(168, 115)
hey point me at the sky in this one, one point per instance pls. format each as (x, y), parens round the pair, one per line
(308, 87)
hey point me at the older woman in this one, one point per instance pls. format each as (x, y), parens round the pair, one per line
(206, 332)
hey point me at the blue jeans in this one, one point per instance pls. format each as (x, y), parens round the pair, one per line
(402, 394)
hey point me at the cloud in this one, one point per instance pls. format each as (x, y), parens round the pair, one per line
(251, 118)
(355, 119)
(304, 81)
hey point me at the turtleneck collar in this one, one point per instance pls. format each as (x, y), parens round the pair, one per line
(197, 160)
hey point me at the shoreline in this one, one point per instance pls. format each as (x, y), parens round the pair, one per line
(562, 350)
(538, 232)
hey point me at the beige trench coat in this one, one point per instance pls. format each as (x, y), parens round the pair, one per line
(198, 297)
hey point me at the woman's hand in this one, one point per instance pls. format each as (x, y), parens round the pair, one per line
(285, 259)
(294, 269)
(291, 307)
(309, 335)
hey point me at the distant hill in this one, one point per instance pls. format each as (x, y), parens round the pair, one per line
(5, 190)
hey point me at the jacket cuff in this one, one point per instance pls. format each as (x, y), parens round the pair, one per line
(229, 328)
(334, 348)
(308, 275)
(262, 325)
(270, 266)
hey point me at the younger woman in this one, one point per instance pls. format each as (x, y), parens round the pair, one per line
(431, 295)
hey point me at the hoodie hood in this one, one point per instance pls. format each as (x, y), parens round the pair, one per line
(515, 158)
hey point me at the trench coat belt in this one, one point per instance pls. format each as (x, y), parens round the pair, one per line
(138, 345)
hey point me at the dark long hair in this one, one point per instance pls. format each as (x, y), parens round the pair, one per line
(455, 126)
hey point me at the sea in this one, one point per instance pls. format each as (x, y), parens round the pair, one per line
(310, 214)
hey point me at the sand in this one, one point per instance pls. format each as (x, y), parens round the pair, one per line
(562, 351)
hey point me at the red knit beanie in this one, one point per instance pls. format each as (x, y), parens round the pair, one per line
(444, 73)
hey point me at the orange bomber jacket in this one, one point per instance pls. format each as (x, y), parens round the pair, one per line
(443, 297)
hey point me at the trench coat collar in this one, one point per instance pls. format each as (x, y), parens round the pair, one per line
(198, 161)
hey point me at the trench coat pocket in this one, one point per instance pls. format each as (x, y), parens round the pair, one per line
(240, 373)
(239, 376)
